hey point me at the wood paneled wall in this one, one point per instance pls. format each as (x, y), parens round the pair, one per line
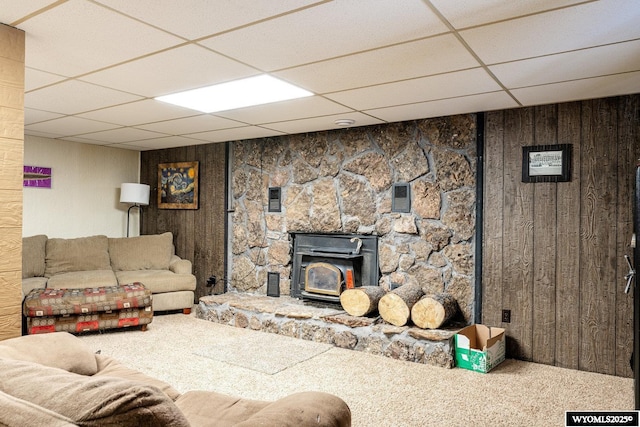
(199, 235)
(553, 253)
(11, 146)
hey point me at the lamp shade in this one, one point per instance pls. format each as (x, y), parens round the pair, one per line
(137, 194)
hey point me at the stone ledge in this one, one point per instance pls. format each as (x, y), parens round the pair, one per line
(291, 317)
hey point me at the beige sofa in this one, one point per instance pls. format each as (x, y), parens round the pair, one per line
(56, 380)
(97, 261)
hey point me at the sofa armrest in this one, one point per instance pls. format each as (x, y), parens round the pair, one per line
(310, 408)
(179, 265)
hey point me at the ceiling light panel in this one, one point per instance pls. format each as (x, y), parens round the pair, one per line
(251, 91)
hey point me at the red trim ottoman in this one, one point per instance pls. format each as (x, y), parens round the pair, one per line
(88, 309)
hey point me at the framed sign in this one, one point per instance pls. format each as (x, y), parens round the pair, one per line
(546, 163)
(178, 185)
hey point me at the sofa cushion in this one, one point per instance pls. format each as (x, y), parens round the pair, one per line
(81, 254)
(83, 279)
(159, 281)
(19, 412)
(89, 401)
(109, 366)
(149, 252)
(57, 350)
(33, 253)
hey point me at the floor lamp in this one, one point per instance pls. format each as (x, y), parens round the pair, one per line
(135, 194)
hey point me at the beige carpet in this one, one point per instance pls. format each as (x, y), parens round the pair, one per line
(194, 354)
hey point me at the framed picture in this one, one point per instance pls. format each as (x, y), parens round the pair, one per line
(546, 163)
(178, 185)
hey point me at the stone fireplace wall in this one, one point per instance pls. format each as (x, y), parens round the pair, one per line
(341, 181)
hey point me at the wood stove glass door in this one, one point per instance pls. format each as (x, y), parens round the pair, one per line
(323, 278)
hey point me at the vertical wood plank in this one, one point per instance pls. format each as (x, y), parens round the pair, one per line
(598, 244)
(568, 241)
(628, 154)
(493, 218)
(518, 235)
(544, 246)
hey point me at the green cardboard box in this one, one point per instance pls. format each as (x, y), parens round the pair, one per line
(479, 348)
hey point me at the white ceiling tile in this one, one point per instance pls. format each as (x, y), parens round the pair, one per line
(450, 85)
(41, 134)
(611, 59)
(445, 107)
(285, 110)
(79, 36)
(122, 135)
(34, 79)
(193, 19)
(332, 29)
(597, 87)
(174, 70)
(11, 10)
(70, 125)
(72, 97)
(160, 143)
(138, 112)
(322, 123)
(35, 116)
(467, 13)
(193, 124)
(557, 31)
(381, 65)
(235, 134)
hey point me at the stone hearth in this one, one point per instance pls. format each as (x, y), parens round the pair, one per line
(291, 317)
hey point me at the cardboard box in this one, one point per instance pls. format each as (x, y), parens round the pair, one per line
(479, 348)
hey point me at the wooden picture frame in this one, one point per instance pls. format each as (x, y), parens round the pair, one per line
(178, 185)
(546, 163)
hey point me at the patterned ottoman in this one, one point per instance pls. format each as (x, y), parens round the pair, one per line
(87, 309)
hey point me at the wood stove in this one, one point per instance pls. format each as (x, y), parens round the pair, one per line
(324, 265)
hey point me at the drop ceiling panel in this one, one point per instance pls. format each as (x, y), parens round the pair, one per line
(122, 135)
(139, 112)
(455, 84)
(285, 110)
(72, 97)
(557, 31)
(183, 68)
(34, 79)
(160, 143)
(327, 31)
(193, 124)
(322, 123)
(381, 65)
(467, 13)
(235, 134)
(14, 10)
(444, 107)
(193, 19)
(597, 87)
(585, 63)
(69, 126)
(35, 116)
(79, 36)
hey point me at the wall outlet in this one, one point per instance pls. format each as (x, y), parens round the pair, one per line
(506, 316)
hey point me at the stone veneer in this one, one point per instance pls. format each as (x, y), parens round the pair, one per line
(341, 181)
(290, 317)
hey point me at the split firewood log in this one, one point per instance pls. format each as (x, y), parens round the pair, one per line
(362, 300)
(395, 306)
(433, 311)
